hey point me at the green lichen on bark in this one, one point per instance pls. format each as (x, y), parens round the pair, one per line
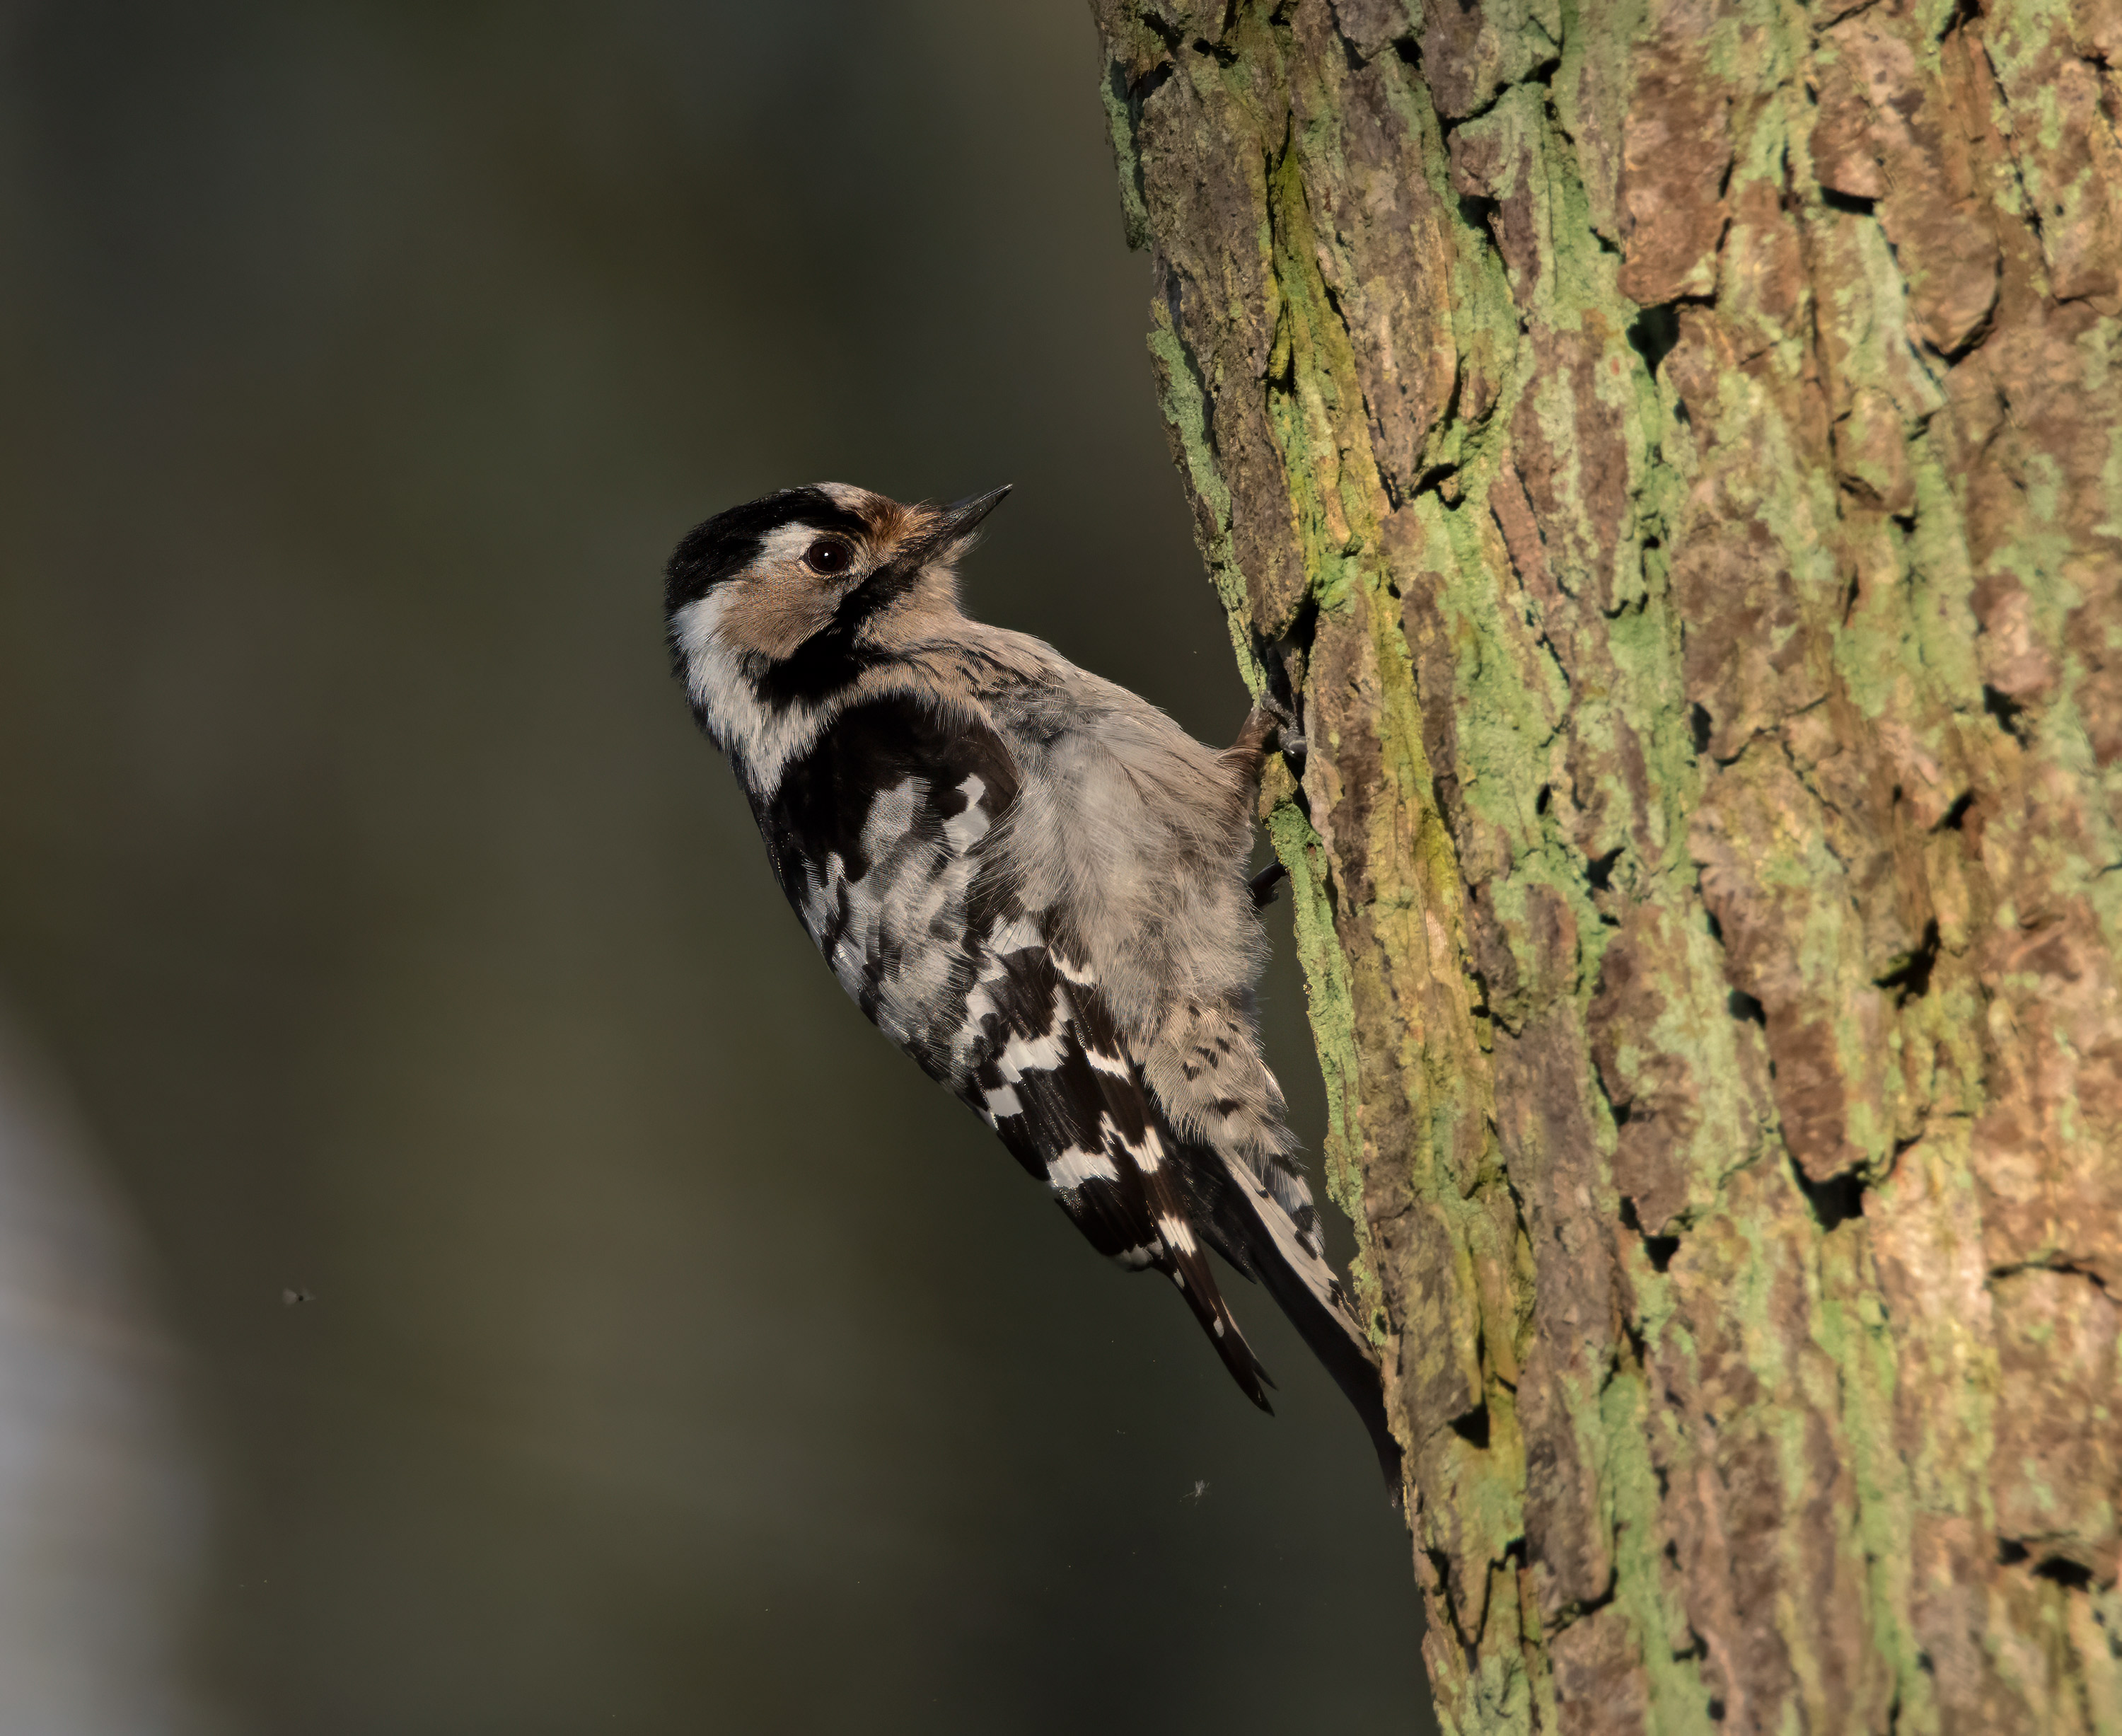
(1680, 442)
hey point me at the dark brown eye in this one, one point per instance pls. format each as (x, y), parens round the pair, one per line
(828, 555)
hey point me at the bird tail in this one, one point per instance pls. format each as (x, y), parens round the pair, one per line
(1285, 1252)
(1185, 1262)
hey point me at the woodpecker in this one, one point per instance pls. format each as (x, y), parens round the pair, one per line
(1030, 880)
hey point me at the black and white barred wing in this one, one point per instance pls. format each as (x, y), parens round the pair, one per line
(1046, 1067)
(883, 837)
(875, 835)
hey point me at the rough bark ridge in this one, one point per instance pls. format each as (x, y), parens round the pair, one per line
(1684, 439)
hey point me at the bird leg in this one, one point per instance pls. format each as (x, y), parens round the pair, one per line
(1273, 720)
(1247, 756)
(1278, 694)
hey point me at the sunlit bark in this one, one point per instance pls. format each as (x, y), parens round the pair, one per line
(1684, 442)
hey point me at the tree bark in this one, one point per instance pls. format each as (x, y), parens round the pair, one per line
(1681, 442)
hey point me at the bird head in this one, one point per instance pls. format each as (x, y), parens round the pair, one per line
(813, 576)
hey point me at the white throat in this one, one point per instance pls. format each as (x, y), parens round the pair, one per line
(759, 737)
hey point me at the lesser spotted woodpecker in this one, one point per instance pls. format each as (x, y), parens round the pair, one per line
(1030, 880)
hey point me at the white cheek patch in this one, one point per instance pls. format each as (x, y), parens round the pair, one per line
(764, 737)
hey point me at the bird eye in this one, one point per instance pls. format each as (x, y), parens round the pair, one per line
(828, 555)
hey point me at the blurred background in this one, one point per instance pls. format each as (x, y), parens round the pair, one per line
(464, 1266)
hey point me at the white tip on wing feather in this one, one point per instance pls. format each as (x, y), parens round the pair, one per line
(1021, 1054)
(1080, 975)
(961, 831)
(1019, 934)
(1071, 1168)
(1147, 1151)
(1110, 1063)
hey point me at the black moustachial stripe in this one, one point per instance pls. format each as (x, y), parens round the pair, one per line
(835, 657)
(829, 662)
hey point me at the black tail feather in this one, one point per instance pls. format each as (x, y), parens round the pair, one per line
(1354, 1370)
(1230, 1222)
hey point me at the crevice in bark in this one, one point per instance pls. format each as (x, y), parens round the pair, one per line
(1478, 212)
(1834, 1202)
(1484, 1007)
(1162, 29)
(1139, 91)
(1658, 1249)
(1854, 204)
(2066, 1268)
(1911, 980)
(1472, 1427)
(1434, 479)
(1440, 1565)
(2010, 715)
(1654, 333)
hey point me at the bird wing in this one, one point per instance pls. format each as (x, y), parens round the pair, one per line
(1051, 1075)
(882, 837)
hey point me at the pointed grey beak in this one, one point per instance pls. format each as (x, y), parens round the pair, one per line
(953, 524)
(961, 517)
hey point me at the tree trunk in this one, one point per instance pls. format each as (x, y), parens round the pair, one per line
(1684, 441)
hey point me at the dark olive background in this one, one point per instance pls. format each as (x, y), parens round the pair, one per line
(680, 1359)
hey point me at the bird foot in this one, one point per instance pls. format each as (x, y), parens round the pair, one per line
(1278, 698)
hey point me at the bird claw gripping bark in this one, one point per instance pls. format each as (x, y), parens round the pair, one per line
(1279, 696)
(1266, 884)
